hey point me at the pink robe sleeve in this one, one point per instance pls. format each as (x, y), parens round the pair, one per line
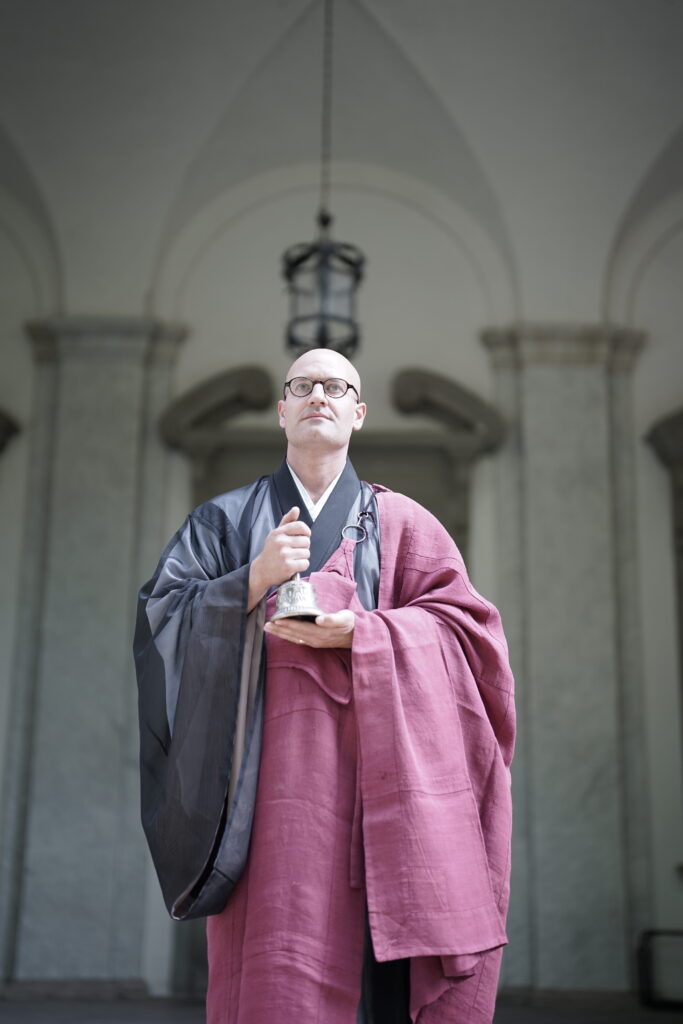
(433, 697)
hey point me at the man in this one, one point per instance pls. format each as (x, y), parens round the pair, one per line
(341, 808)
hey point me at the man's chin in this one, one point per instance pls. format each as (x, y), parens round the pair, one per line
(316, 437)
(317, 428)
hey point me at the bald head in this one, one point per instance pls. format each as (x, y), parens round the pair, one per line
(321, 363)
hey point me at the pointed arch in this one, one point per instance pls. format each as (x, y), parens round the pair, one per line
(653, 219)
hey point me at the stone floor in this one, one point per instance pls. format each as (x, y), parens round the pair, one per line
(158, 1011)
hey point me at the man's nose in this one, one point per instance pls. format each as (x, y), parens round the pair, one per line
(318, 396)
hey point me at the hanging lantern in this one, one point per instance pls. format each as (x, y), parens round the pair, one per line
(323, 276)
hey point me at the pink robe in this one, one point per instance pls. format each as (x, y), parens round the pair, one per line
(384, 782)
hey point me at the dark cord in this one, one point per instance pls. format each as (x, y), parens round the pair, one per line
(326, 113)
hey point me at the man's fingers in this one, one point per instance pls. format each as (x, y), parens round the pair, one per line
(292, 525)
(295, 529)
(297, 540)
(290, 516)
(341, 620)
(335, 630)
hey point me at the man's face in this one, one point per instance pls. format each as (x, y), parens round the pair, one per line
(316, 421)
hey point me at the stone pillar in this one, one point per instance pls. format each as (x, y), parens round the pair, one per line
(569, 601)
(73, 857)
(666, 437)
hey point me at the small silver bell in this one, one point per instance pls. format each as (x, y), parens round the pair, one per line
(296, 600)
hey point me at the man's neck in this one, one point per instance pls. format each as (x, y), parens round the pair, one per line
(316, 472)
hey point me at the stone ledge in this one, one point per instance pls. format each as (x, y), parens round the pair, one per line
(104, 335)
(81, 989)
(616, 348)
(569, 999)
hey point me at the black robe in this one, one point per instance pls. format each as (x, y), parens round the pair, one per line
(190, 645)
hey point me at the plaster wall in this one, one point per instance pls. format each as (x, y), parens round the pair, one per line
(567, 136)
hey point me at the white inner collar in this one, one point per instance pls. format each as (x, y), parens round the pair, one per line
(313, 508)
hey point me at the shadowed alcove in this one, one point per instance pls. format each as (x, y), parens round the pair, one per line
(8, 428)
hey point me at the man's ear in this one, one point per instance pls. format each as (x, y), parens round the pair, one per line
(361, 409)
(281, 413)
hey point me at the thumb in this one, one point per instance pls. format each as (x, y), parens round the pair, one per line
(290, 516)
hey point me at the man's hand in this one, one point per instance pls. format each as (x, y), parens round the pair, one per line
(327, 631)
(287, 550)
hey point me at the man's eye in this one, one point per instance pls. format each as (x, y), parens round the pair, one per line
(333, 388)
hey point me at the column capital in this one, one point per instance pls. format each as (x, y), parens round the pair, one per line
(526, 344)
(143, 338)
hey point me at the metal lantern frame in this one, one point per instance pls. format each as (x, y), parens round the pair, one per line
(322, 279)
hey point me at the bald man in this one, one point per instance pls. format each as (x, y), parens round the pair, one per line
(332, 792)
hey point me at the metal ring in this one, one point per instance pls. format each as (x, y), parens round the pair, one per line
(361, 535)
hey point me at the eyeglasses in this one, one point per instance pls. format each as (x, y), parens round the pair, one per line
(334, 387)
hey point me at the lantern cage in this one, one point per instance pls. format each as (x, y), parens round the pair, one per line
(322, 278)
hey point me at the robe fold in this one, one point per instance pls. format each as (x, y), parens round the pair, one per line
(434, 706)
(374, 780)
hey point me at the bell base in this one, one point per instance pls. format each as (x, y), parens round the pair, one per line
(309, 615)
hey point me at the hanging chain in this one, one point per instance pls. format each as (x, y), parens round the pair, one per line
(326, 114)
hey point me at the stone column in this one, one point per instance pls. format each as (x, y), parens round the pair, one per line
(568, 597)
(74, 860)
(666, 437)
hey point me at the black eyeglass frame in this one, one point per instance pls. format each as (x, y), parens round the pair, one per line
(313, 383)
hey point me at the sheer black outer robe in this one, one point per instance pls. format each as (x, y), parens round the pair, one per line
(192, 639)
